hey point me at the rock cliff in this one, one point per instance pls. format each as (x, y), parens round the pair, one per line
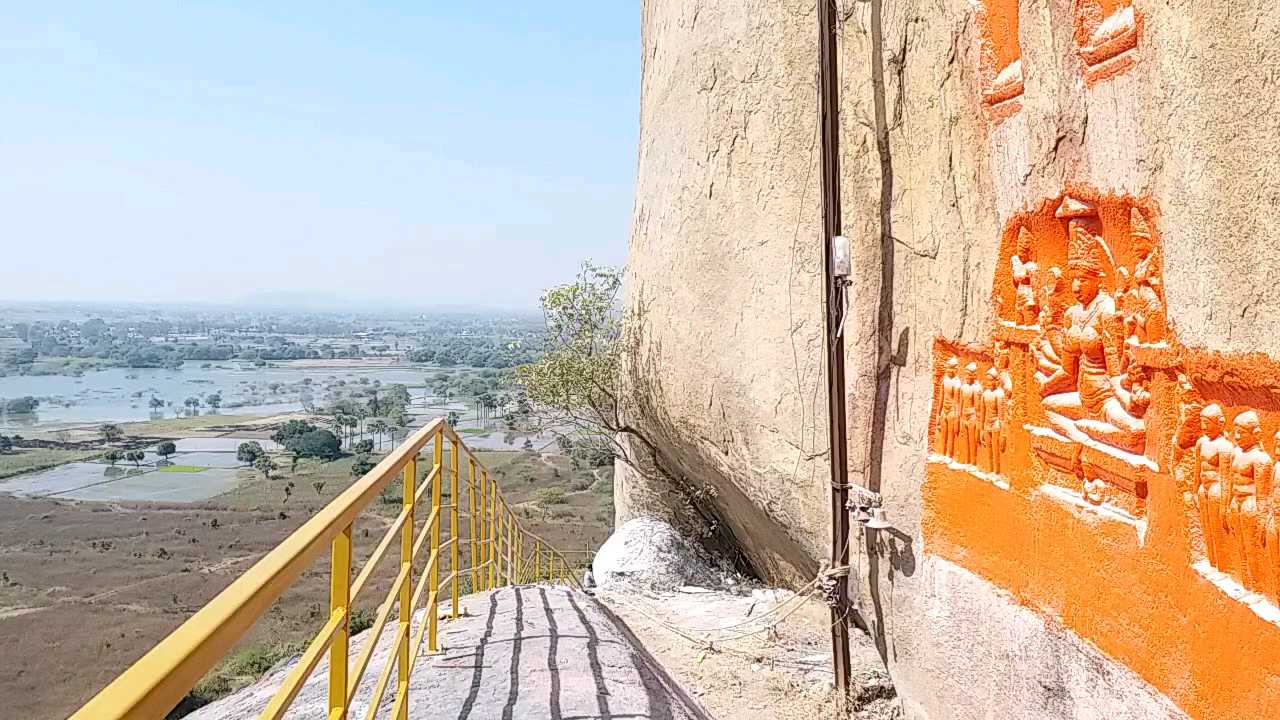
(726, 374)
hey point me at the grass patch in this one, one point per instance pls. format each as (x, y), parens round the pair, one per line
(25, 460)
(473, 431)
(169, 425)
(181, 468)
(239, 670)
(550, 496)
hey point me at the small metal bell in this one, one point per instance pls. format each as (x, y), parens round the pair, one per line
(861, 515)
(878, 521)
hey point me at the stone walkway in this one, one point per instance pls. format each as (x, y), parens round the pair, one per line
(520, 653)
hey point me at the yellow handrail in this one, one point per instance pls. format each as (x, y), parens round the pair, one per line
(496, 541)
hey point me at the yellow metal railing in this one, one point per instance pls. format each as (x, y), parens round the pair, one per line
(153, 685)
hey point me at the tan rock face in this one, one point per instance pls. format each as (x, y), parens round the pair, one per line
(1165, 102)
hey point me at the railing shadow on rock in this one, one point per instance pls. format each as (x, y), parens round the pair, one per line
(498, 556)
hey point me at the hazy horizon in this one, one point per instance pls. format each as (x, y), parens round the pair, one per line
(399, 158)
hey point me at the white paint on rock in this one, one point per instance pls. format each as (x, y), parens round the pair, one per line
(650, 552)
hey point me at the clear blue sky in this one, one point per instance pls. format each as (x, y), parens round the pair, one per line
(416, 152)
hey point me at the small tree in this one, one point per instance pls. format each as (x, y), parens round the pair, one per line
(166, 448)
(317, 443)
(110, 433)
(364, 447)
(453, 418)
(214, 400)
(265, 466)
(112, 457)
(291, 429)
(319, 486)
(249, 452)
(573, 389)
(156, 404)
(135, 456)
(361, 466)
(6, 445)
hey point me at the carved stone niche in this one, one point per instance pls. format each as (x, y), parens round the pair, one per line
(1078, 289)
(1224, 462)
(1106, 37)
(1001, 68)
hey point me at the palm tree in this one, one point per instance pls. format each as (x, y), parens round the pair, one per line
(361, 414)
(337, 422)
(378, 427)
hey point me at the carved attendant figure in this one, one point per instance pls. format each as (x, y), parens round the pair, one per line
(1212, 453)
(1027, 310)
(993, 402)
(1273, 528)
(949, 412)
(1251, 471)
(1053, 375)
(1146, 307)
(970, 397)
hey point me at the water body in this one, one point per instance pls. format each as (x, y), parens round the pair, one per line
(121, 394)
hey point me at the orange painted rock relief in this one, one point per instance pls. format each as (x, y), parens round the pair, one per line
(1106, 37)
(1090, 464)
(1001, 59)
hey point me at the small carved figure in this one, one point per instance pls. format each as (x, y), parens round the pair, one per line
(1188, 432)
(1213, 451)
(1002, 365)
(949, 411)
(1251, 471)
(970, 397)
(1053, 375)
(1145, 308)
(993, 410)
(1095, 491)
(1133, 393)
(1027, 308)
(1272, 536)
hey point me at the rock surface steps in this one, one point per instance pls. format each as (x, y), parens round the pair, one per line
(524, 652)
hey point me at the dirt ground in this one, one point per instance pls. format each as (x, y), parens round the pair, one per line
(777, 665)
(87, 588)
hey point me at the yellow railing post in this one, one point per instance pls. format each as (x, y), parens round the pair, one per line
(433, 605)
(339, 601)
(491, 511)
(471, 506)
(511, 543)
(454, 572)
(537, 561)
(486, 533)
(409, 480)
(499, 540)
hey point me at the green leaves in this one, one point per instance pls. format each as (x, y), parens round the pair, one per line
(579, 369)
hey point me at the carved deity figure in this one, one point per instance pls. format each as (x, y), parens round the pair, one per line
(1093, 350)
(949, 409)
(1213, 453)
(1250, 476)
(1026, 307)
(992, 414)
(970, 399)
